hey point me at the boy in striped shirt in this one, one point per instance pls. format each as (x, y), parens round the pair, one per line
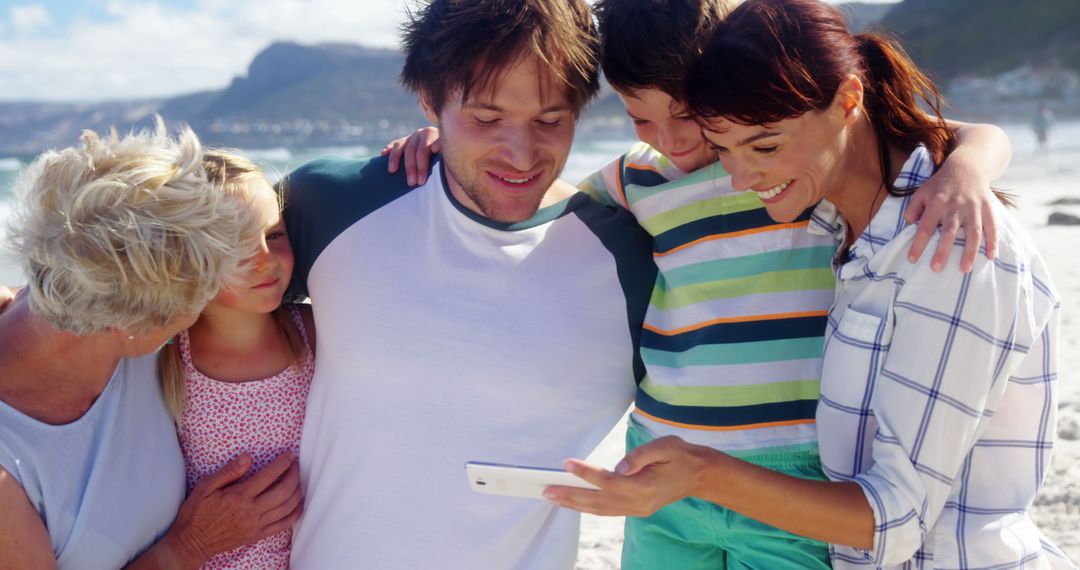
(733, 335)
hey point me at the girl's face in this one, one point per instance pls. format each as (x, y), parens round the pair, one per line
(260, 289)
(791, 164)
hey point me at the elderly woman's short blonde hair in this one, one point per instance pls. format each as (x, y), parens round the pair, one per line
(127, 233)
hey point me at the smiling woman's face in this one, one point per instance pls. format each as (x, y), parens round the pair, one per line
(791, 164)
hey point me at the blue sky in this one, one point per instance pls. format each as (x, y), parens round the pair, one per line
(64, 12)
(93, 50)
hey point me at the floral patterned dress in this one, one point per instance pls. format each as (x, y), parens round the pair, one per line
(263, 418)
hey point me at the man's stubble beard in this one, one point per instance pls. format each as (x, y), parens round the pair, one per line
(488, 208)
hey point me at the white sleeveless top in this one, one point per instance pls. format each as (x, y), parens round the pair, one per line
(108, 484)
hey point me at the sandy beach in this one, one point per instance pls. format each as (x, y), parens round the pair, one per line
(1038, 180)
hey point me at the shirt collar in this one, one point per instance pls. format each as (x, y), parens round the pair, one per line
(825, 220)
(542, 216)
(888, 222)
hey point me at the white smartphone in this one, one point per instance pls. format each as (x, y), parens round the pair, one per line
(518, 480)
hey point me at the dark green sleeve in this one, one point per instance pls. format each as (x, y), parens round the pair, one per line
(632, 249)
(325, 197)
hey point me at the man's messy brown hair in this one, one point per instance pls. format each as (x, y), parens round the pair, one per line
(454, 47)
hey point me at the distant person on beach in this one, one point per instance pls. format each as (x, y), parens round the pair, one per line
(490, 314)
(237, 380)
(124, 241)
(733, 336)
(930, 381)
(1042, 124)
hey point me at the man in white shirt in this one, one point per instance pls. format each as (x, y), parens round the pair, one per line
(490, 314)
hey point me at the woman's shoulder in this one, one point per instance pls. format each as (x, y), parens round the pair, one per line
(1017, 281)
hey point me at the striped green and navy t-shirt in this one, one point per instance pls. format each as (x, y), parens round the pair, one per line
(733, 335)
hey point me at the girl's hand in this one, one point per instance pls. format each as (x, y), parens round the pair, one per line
(652, 476)
(417, 150)
(223, 513)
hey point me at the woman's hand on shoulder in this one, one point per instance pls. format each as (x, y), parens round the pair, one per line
(416, 150)
(224, 512)
(24, 542)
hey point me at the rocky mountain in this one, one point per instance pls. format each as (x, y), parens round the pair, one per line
(336, 94)
(292, 96)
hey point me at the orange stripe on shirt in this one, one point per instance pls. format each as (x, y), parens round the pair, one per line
(619, 184)
(747, 232)
(740, 319)
(649, 167)
(725, 428)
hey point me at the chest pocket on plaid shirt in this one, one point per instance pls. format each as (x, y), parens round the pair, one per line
(854, 352)
(853, 356)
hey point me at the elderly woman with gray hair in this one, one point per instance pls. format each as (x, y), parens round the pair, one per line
(124, 241)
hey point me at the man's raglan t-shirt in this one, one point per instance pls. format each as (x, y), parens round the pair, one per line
(444, 337)
(734, 331)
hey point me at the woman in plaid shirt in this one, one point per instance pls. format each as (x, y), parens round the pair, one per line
(939, 390)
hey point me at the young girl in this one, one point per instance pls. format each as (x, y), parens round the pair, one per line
(237, 380)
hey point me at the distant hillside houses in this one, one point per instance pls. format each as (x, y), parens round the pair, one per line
(1022, 83)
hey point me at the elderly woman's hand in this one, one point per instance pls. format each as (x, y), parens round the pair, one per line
(223, 513)
(652, 476)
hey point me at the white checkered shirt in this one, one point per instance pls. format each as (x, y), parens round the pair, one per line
(938, 395)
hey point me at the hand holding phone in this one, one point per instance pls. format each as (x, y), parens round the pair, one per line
(518, 480)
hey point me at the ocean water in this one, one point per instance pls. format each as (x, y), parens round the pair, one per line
(1028, 170)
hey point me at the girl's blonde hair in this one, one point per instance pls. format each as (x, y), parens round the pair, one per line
(230, 172)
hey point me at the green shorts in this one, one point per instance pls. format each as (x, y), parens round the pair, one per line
(694, 534)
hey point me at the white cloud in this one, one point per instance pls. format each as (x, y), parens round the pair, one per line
(147, 50)
(29, 18)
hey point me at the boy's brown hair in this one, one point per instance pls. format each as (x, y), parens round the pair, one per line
(457, 46)
(648, 44)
